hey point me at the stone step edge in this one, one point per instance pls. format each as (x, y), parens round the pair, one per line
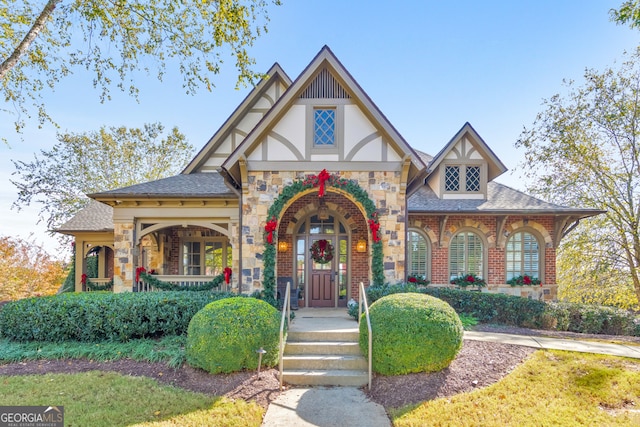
(326, 373)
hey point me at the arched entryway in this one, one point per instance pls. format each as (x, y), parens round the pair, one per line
(340, 223)
(325, 280)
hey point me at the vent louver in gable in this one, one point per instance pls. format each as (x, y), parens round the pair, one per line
(324, 86)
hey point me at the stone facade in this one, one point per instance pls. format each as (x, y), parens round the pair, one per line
(383, 189)
(124, 262)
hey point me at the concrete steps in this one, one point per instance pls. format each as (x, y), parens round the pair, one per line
(324, 358)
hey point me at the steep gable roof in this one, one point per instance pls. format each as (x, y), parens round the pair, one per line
(275, 75)
(95, 216)
(496, 167)
(346, 87)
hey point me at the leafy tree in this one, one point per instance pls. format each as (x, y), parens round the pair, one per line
(587, 273)
(114, 40)
(629, 13)
(91, 162)
(583, 150)
(27, 270)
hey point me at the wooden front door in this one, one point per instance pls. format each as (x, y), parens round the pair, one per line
(323, 285)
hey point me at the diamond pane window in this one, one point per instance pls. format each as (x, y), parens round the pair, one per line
(473, 178)
(324, 127)
(452, 178)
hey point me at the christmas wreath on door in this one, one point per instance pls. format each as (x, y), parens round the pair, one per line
(321, 251)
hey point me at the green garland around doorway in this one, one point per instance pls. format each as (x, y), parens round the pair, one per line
(312, 181)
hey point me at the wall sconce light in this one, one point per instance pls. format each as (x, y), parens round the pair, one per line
(283, 246)
(361, 246)
(323, 212)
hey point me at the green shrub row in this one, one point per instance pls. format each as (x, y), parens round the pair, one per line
(98, 316)
(593, 319)
(517, 311)
(492, 308)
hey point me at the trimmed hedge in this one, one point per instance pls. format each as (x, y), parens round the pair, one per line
(100, 316)
(411, 333)
(498, 308)
(517, 311)
(224, 335)
(593, 319)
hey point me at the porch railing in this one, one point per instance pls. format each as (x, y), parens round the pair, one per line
(185, 281)
(362, 300)
(286, 315)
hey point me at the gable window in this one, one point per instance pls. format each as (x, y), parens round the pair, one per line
(419, 254)
(462, 178)
(472, 178)
(466, 255)
(523, 255)
(205, 257)
(452, 178)
(324, 127)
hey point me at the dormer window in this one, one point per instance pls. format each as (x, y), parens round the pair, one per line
(452, 178)
(472, 181)
(462, 179)
(324, 127)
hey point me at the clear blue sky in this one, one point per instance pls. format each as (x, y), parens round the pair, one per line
(430, 66)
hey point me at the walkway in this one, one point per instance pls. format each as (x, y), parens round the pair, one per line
(347, 406)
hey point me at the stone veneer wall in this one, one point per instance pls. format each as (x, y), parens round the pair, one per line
(123, 265)
(265, 186)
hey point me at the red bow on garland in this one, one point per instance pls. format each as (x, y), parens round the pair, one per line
(138, 271)
(323, 176)
(227, 275)
(374, 227)
(83, 279)
(270, 227)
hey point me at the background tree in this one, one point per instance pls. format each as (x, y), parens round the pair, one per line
(583, 151)
(41, 44)
(27, 270)
(91, 162)
(629, 13)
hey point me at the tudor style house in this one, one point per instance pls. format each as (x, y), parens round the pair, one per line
(308, 182)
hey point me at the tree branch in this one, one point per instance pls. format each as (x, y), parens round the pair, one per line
(31, 35)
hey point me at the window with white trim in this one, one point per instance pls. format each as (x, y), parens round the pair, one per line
(452, 178)
(523, 255)
(324, 127)
(205, 257)
(461, 178)
(419, 254)
(466, 255)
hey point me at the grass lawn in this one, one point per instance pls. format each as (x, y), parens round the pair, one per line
(553, 388)
(109, 399)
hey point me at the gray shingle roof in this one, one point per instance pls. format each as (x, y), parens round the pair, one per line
(500, 199)
(95, 216)
(193, 185)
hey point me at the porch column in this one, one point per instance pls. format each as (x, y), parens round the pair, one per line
(234, 240)
(123, 263)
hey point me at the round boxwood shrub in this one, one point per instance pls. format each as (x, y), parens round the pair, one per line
(411, 333)
(225, 334)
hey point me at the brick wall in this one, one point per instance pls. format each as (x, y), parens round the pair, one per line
(486, 226)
